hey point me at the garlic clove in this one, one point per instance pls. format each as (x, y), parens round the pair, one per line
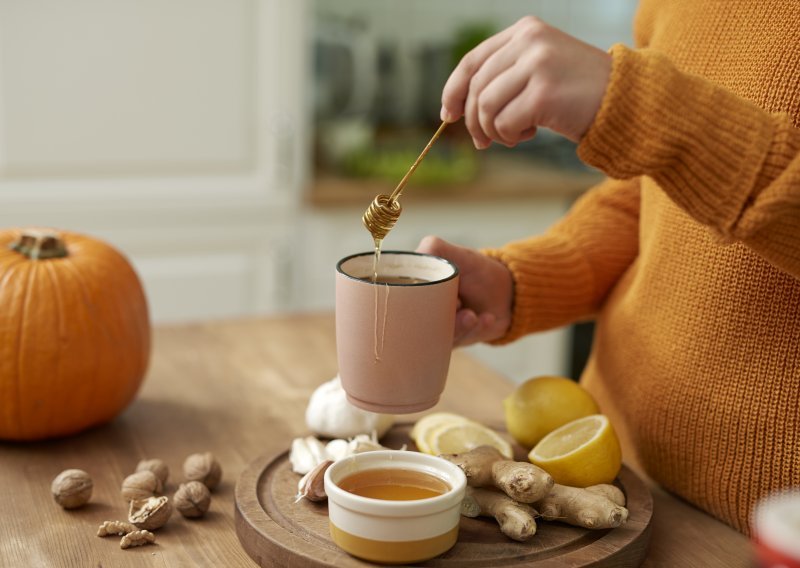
(312, 485)
(306, 453)
(337, 449)
(317, 449)
(363, 443)
(300, 457)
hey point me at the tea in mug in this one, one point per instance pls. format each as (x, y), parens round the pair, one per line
(384, 279)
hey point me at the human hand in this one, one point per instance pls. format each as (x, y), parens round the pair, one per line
(485, 292)
(526, 76)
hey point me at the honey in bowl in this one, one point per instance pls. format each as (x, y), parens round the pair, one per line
(394, 484)
(394, 507)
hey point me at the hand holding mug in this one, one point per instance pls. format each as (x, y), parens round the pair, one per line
(485, 292)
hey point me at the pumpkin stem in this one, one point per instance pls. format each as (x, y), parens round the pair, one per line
(39, 244)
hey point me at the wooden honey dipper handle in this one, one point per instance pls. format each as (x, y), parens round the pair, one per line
(399, 189)
(383, 212)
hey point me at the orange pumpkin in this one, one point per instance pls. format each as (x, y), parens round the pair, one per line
(74, 333)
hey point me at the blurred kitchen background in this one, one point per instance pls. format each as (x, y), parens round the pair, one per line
(229, 147)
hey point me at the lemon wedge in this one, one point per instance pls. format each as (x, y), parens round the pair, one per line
(458, 438)
(581, 453)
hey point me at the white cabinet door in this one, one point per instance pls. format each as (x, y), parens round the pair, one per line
(175, 129)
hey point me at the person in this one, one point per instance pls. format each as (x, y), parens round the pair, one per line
(687, 256)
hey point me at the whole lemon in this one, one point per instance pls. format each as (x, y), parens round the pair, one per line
(541, 404)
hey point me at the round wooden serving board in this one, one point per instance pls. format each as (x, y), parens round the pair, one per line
(276, 531)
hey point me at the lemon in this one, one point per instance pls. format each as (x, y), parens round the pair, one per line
(456, 438)
(430, 422)
(582, 453)
(540, 405)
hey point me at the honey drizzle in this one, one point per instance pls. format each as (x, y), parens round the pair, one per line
(375, 262)
(379, 350)
(376, 259)
(385, 312)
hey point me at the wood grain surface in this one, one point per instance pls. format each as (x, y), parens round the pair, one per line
(239, 389)
(271, 524)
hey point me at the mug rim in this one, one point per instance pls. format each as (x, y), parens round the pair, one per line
(398, 252)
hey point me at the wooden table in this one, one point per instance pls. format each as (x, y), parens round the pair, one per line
(239, 390)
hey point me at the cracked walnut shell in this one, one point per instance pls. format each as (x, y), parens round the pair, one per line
(72, 488)
(140, 485)
(150, 513)
(204, 468)
(192, 499)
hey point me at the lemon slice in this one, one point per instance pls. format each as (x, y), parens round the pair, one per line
(429, 423)
(458, 438)
(581, 453)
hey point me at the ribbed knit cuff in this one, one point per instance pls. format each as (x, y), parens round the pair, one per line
(703, 145)
(552, 283)
(775, 200)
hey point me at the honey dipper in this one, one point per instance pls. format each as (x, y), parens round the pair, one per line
(383, 212)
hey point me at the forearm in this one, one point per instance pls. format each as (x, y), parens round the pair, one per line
(728, 163)
(566, 274)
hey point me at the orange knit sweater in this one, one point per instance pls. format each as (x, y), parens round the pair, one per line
(689, 255)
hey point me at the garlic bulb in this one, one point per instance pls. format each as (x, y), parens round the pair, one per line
(329, 414)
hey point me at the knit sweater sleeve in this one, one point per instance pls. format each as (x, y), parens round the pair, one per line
(728, 163)
(565, 274)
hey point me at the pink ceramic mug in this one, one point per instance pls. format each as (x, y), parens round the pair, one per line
(394, 339)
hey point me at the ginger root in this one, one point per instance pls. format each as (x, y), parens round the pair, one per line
(595, 507)
(516, 520)
(524, 484)
(485, 466)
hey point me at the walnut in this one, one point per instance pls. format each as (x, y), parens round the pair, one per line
(150, 513)
(204, 468)
(137, 538)
(72, 488)
(140, 485)
(192, 499)
(156, 466)
(116, 527)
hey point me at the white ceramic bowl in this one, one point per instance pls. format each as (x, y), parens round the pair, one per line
(394, 532)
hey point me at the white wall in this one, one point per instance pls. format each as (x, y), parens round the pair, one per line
(178, 130)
